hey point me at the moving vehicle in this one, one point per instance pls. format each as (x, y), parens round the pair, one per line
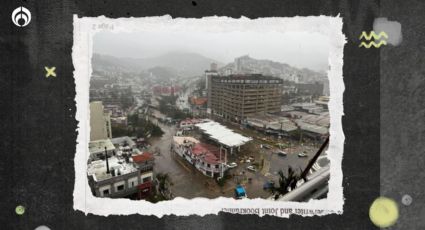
(232, 165)
(281, 153)
(251, 168)
(303, 154)
(267, 146)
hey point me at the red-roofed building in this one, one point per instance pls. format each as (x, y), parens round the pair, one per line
(206, 158)
(198, 101)
(166, 90)
(145, 164)
(142, 158)
(190, 123)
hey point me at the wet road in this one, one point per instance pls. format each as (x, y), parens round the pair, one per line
(189, 182)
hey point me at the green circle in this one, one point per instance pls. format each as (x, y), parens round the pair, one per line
(20, 210)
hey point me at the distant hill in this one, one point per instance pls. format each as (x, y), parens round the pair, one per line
(246, 65)
(177, 63)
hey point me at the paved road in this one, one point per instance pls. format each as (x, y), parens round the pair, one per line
(182, 101)
(187, 181)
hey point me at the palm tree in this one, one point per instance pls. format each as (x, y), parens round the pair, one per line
(285, 182)
(163, 180)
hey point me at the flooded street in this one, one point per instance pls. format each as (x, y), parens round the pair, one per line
(188, 182)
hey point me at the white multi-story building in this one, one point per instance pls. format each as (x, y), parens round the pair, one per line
(121, 176)
(100, 122)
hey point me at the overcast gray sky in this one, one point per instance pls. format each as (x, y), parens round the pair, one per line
(299, 49)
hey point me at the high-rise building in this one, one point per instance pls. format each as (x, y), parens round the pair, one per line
(100, 122)
(209, 73)
(214, 67)
(236, 97)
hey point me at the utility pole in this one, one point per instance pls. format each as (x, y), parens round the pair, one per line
(221, 170)
(107, 163)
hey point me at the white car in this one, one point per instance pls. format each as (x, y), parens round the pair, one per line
(281, 153)
(232, 165)
(302, 155)
(251, 168)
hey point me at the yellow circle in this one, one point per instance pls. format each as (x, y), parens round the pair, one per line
(383, 212)
(20, 210)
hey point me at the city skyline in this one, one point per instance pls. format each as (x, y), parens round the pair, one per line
(298, 49)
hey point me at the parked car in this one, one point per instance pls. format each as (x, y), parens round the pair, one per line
(232, 165)
(240, 192)
(267, 146)
(251, 168)
(302, 154)
(281, 153)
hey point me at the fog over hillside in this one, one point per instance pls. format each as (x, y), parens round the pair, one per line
(180, 63)
(189, 64)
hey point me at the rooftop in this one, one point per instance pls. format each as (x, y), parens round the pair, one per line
(250, 76)
(198, 101)
(183, 140)
(222, 134)
(312, 128)
(97, 169)
(122, 140)
(320, 120)
(269, 121)
(99, 146)
(142, 157)
(208, 153)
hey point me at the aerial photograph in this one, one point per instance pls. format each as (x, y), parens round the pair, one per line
(176, 113)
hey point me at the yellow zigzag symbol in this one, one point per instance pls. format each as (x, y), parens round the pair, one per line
(372, 34)
(372, 43)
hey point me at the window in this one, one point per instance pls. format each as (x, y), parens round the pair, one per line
(120, 188)
(216, 166)
(146, 179)
(132, 182)
(209, 165)
(106, 192)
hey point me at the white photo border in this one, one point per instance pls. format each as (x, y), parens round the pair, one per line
(84, 30)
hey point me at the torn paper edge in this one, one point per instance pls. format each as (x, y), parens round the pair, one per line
(84, 30)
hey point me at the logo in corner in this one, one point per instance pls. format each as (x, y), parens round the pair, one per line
(21, 16)
(376, 37)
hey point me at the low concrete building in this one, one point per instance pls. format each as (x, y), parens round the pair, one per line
(123, 141)
(121, 176)
(271, 124)
(97, 149)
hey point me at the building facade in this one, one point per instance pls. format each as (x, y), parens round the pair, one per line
(100, 122)
(206, 158)
(236, 97)
(121, 176)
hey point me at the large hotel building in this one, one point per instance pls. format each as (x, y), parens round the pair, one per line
(235, 97)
